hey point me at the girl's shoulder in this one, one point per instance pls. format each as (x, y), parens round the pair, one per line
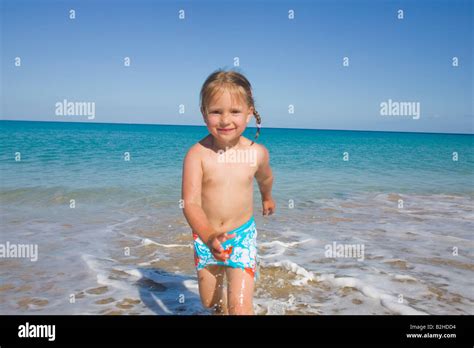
(253, 143)
(261, 150)
(204, 143)
(200, 146)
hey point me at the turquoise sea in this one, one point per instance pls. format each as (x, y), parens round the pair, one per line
(101, 203)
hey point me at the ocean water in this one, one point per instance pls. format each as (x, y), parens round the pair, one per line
(124, 246)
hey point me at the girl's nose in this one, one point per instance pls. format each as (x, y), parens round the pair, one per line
(224, 119)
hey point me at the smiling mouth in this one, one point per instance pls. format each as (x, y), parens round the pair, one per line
(225, 130)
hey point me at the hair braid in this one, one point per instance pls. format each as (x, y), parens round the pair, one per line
(259, 122)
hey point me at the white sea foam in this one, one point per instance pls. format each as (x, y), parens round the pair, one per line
(148, 263)
(277, 248)
(177, 293)
(292, 267)
(388, 301)
(147, 241)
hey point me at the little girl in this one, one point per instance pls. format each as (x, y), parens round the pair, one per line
(217, 191)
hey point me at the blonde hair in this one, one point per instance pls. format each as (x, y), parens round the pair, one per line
(234, 82)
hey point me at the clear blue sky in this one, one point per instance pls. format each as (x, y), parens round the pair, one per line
(295, 62)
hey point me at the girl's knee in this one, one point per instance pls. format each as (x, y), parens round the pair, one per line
(207, 303)
(214, 303)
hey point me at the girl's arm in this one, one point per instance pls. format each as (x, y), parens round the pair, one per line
(264, 178)
(195, 215)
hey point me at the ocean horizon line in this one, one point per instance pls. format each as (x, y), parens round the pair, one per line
(193, 125)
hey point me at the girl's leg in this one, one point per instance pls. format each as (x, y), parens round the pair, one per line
(240, 286)
(211, 288)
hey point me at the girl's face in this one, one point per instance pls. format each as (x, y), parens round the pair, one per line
(227, 117)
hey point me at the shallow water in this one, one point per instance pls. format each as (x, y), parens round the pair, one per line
(126, 248)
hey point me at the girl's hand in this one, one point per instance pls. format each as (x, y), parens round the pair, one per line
(215, 245)
(268, 206)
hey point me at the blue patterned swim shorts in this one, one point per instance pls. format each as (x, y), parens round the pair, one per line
(242, 250)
